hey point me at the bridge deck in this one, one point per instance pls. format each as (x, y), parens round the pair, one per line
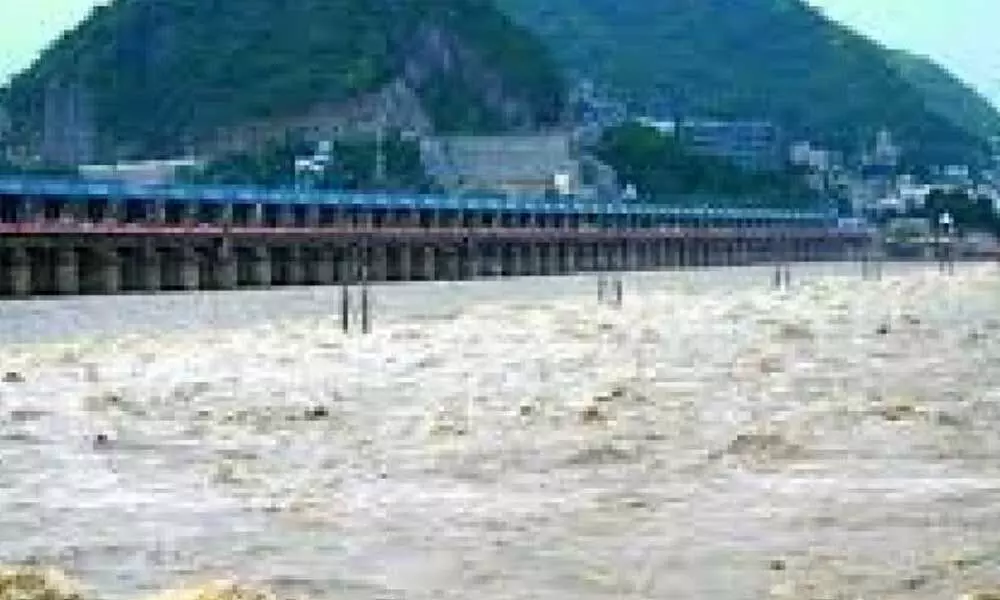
(115, 229)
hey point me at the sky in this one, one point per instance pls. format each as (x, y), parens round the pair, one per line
(959, 34)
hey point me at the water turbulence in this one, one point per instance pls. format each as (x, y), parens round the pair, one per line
(712, 438)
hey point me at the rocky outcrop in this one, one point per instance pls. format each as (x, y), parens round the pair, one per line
(141, 79)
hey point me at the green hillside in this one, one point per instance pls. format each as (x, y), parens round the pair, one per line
(158, 72)
(947, 95)
(747, 58)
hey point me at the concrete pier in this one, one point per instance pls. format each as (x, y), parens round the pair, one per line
(260, 265)
(429, 270)
(110, 265)
(326, 266)
(293, 267)
(20, 273)
(535, 261)
(190, 269)
(226, 267)
(473, 262)
(572, 253)
(378, 263)
(405, 263)
(67, 271)
(151, 269)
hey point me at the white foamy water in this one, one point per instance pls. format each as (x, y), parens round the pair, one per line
(514, 439)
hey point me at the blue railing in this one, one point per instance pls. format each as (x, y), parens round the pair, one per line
(77, 190)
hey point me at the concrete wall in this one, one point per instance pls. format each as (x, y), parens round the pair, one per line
(507, 163)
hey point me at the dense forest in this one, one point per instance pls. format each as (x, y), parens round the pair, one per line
(948, 96)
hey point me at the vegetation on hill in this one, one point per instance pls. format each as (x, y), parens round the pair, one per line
(776, 59)
(159, 72)
(665, 171)
(353, 166)
(947, 95)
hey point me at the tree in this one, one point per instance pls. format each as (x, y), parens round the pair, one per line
(969, 214)
(665, 170)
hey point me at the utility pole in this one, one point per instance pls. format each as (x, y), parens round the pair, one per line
(380, 143)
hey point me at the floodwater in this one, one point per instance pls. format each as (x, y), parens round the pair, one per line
(712, 439)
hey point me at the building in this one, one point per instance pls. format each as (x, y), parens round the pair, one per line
(595, 109)
(152, 172)
(958, 175)
(506, 164)
(814, 158)
(751, 145)
(886, 153)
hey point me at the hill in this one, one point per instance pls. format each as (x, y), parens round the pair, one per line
(779, 59)
(947, 95)
(148, 77)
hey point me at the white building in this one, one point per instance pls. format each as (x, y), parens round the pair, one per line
(914, 196)
(805, 154)
(150, 172)
(886, 152)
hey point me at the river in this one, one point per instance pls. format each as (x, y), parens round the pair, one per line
(712, 439)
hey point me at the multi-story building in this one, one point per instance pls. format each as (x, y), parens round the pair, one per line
(752, 145)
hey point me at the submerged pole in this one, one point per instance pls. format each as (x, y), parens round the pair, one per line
(365, 307)
(366, 325)
(345, 307)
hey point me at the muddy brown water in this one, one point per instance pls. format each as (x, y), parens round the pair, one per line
(713, 439)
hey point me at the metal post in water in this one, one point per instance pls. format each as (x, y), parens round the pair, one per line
(789, 255)
(345, 307)
(865, 254)
(365, 304)
(776, 256)
(879, 258)
(366, 326)
(946, 225)
(939, 250)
